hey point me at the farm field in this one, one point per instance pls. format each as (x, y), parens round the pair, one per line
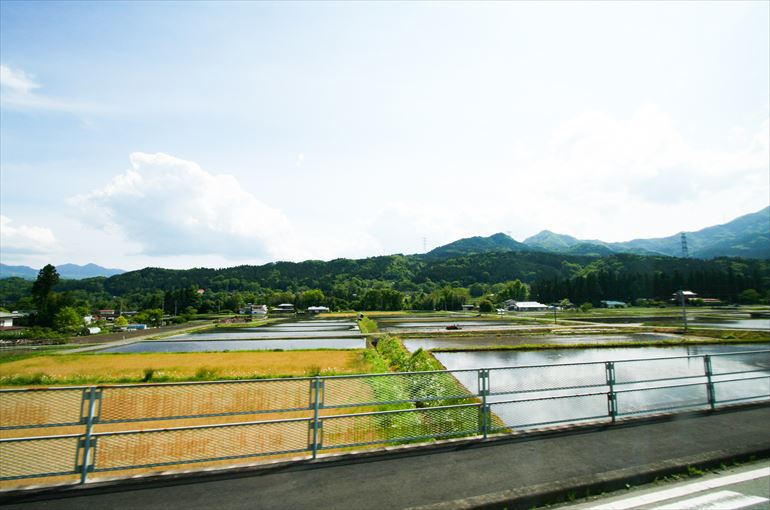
(66, 369)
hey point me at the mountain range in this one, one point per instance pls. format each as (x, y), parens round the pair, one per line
(747, 236)
(67, 271)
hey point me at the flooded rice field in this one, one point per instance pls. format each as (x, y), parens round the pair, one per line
(470, 342)
(532, 388)
(489, 359)
(443, 324)
(305, 334)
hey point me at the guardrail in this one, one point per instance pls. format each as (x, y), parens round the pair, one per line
(115, 427)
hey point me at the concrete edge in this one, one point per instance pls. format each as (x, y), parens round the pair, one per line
(560, 491)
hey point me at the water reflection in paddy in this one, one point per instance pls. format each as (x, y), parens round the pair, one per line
(300, 329)
(496, 341)
(307, 334)
(524, 397)
(428, 326)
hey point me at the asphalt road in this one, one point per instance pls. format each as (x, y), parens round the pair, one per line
(745, 486)
(514, 473)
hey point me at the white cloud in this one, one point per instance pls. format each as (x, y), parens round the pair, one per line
(399, 227)
(18, 91)
(16, 81)
(170, 206)
(25, 239)
(300, 160)
(637, 177)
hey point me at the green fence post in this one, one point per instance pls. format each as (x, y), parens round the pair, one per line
(483, 377)
(86, 443)
(612, 397)
(317, 385)
(710, 390)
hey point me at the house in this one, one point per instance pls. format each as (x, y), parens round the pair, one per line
(525, 306)
(613, 304)
(318, 309)
(688, 295)
(107, 315)
(6, 319)
(254, 310)
(468, 307)
(284, 308)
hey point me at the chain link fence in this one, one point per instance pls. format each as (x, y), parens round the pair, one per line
(100, 430)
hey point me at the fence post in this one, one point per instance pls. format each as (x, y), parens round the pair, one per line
(483, 377)
(317, 387)
(93, 396)
(612, 397)
(710, 391)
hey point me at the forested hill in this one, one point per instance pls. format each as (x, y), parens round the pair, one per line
(416, 272)
(418, 282)
(477, 244)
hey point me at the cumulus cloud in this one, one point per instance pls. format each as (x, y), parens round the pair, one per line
(25, 239)
(170, 206)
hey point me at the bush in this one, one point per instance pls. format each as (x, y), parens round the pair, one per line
(485, 306)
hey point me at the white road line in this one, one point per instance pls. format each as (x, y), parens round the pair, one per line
(684, 490)
(722, 500)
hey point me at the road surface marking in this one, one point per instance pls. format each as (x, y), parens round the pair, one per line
(722, 500)
(684, 490)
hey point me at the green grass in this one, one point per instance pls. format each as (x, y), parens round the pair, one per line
(391, 355)
(367, 325)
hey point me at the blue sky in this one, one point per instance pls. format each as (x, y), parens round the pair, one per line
(212, 134)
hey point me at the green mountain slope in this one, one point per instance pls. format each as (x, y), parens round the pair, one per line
(747, 236)
(494, 243)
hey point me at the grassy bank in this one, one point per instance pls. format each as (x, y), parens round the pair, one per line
(367, 325)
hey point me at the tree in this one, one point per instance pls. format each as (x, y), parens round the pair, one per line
(67, 320)
(121, 322)
(42, 291)
(749, 297)
(485, 306)
(153, 316)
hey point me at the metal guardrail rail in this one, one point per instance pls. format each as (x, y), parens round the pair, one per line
(340, 412)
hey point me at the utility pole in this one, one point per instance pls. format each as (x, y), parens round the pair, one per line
(684, 309)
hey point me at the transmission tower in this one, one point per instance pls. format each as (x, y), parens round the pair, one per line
(685, 251)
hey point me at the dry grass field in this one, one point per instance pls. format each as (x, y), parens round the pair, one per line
(108, 368)
(149, 404)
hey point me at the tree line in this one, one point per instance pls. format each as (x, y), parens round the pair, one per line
(394, 282)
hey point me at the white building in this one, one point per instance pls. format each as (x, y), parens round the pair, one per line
(255, 310)
(525, 306)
